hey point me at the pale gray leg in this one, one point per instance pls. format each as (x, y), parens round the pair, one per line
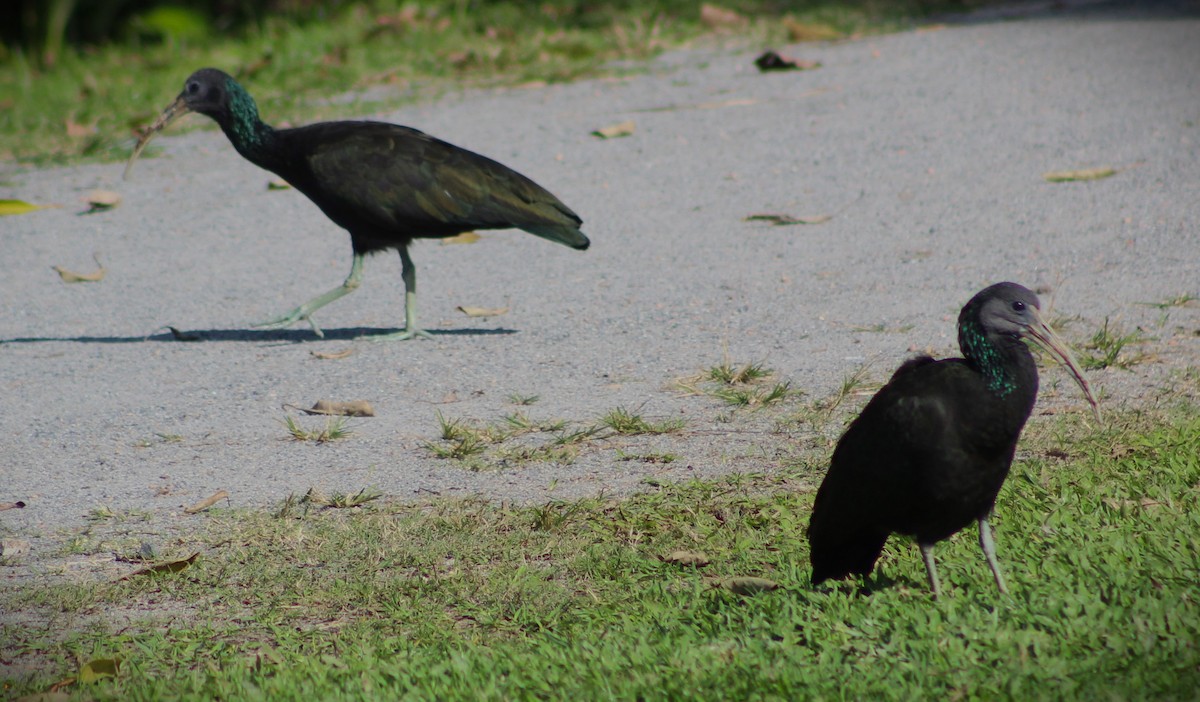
(989, 552)
(305, 311)
(411, 330)
(930, 569)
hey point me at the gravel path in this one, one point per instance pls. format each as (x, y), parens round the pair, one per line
(927, 148)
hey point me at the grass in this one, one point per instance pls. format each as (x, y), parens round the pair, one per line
(515, 439)
(1098, 531)
(335, 428)
(369, 58)
(737, 386)
(624, 422)
(1108, 349)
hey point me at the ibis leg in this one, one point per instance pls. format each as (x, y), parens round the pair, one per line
(989, 552)
(305, 311)
(411, 330)
(930, 569)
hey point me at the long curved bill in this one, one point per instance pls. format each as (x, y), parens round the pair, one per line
(1048, 339)
(173, 112)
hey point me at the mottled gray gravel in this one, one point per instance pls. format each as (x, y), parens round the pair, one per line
(927, 147)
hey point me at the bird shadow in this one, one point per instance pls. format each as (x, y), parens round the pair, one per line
(294, 336)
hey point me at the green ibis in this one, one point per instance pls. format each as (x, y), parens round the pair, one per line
(384, 183)
(929, 452)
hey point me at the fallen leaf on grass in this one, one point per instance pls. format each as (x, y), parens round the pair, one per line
(13, 547)
(278, 184)
(1081, 174)
(686, 558)
(77, 130)
(464, 238)
(482, 311)
(333, 355)
(73, 277)
(771, 61)
(783, 220)
(354, 408)
(613, 131)
(807, 31)
(747, 585)
(719, 18)
(172, 567)
(11, 505)
(206, 502)
(53, 695)
(99, 668)
(16, 207)
(100, 200)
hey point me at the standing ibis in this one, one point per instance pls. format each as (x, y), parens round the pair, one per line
(929, 452)
(384, 183)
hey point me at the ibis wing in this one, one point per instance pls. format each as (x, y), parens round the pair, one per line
(403, 179)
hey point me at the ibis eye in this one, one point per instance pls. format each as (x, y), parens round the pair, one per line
(1018, 306)
(193, 87)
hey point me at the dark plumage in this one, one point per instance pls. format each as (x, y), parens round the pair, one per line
(929, 452)
(384, 183)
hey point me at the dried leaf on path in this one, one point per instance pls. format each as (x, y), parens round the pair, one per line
(73, 277)
(613, 131)
(333, 355)
(783, 220)
(101, 200)
(207, 502)
(1081, 174)
(353, 408)
(482, 311)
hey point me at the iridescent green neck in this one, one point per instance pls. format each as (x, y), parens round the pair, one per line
(245, 129)
(986, 356)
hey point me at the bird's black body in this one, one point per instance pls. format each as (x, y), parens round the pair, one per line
(385, 184)
(930, 451)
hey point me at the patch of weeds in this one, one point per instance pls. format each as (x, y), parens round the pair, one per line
(1106, 349)
(546, 453)
(882, 328)
(624, 422)
(739, 386)
(335, 428)
(753, 397)
(575, 436)
(520, 423)
(451, 429)
(821, 412)
(160, 438)
(339, 500)
(525, 400)
(1181, 300)
(467, 444)
(727, 374)
(662, 458)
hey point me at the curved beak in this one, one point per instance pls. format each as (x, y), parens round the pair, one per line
(173, 112)
(1048, 339)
